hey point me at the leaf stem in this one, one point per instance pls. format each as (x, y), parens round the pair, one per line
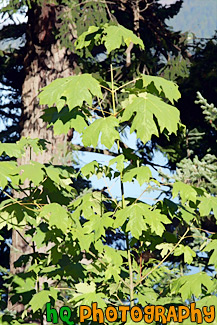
(106, 88)
(127, 83)
(101, 108)
(113, 91)
(131, 287)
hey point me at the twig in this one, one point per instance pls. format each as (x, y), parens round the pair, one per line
(23, 238)
(127, 83)
(90, 149)
(161, 262)
(18, 202)
(146, 7)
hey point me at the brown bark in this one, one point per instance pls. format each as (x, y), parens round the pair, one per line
(44, 62)
(136, 16)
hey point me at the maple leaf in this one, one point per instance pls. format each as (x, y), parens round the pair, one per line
(105, 127)
(146, 106)
(76, 90)
(169, 88)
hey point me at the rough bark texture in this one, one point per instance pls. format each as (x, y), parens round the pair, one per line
(44, 62)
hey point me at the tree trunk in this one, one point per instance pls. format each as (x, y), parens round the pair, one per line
(44, 62)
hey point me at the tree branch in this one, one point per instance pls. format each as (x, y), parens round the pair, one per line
(100, 151)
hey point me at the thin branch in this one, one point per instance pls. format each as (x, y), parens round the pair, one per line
(142, 194)
(109, 190)
(147, 6)
(113, 91)
(106, 88)
(127, 83)
(97, 109)
(164, 259)
(23, 238)
(97, 1)
(108, 10)
(18, 202)
(207, 231)
(89, 149)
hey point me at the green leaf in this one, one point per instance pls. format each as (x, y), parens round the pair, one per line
(64, 120)
(156, 221)
(53, 173)
(24, 285)
(85, 287)
(112, 256)
(146, 296)
(86, 294)
(112, 36)
(136, 223)
(142, 174)
(212, 246)
(189, 285)
(98, 224)
(11, 149)
(189, 254)
(85, 39)
(39, 300)
(207, 204)
(56, 215)
(165, 248)
(120, 162)
(7, 168)
(76, 90)
(112, 271)
(88, 298)
(33, 172)
(116, 35)
(121, 217)
(187, 192)
(90, 168)
(88, 204)
(140, 216)
(61, 176)
(187, 213)
(105, 127)
(39, 236)
(146, 106)
(169, 88)
(37, 145)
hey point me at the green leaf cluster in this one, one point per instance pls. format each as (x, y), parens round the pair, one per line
(89, 245)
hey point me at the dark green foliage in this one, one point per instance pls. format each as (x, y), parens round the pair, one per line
(162, 224)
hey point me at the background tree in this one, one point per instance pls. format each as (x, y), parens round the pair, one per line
(42, 59)
(199, 76)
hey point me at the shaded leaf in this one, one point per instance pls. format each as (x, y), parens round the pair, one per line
(212, 246)
(189, 285)
(169, 88)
